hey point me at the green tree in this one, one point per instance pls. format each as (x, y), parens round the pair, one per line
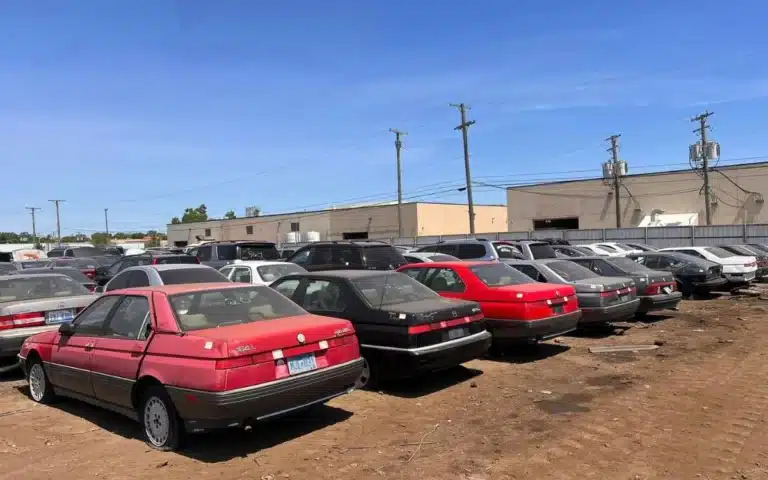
(137, 235)
(175, 220)
(100, 238)
(9, 237)
(230, 215)
(199, 214)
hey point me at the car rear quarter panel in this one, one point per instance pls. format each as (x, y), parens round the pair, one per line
(184, 361)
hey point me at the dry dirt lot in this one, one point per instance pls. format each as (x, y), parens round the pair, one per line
(695, 408)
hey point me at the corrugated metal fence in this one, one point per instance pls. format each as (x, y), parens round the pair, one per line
(659, 237)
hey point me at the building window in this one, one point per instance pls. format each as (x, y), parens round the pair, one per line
(556, 224)
(249, 230)
(207, 232)
(295, 227)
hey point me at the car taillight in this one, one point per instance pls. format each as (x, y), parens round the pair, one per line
(89, 272)
(616, 293)
(21, 320)
(427, 327)
(655, 288)
(234, 362)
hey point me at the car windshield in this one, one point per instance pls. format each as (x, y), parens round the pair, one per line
(36, 287)
(258, 252)
(191, 275)
(55, 253)
(542, 250)
(607, 248)
(571, 271)
(628, 265)
(719, 252)
(391, 289)
(270, 273)
(624, 246)
(230, 306)
(499, 275)
(72, 273)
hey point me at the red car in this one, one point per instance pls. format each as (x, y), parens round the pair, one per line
(187, 358)
(515, 307)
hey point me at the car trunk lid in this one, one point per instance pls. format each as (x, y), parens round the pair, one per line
(45, 311)
(437, 320)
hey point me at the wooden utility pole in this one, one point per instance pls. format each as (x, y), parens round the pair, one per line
(32, 210)
(702, 131)
(464, 127)
(58, 222)
(398, 147)
(106, 222)
(614, 139)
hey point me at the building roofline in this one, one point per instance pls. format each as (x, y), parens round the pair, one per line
(646, 174)
(329, 210)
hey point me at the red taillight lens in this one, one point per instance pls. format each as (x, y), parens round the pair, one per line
(197, 259)
(91, 288)
(21, 320)
(426, 327)
(154, 261)
(656, 288)
(234, 362)
(89, 272)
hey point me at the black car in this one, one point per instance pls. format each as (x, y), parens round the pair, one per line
(566, 251)
(104, 274)
(219, 254)
(71, 272)
(694, 275)
(88, 266)
(348, 255)
(7, 267)
(404, 328)
(657, 290)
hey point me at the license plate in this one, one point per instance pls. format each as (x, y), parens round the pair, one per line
(667, 289)
(457, 333)
(623, 298)
(59, 316)
(301, 364)
(557, 309)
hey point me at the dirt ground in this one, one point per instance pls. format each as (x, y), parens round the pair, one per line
(695, 408)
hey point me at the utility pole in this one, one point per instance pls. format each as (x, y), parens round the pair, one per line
(398, 146)
(58, 221)
(32, 210)
(702, 131)
(614, 139)
(106, 222)
(464, 127)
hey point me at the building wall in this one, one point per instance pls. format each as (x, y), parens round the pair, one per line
(377, 221)
(437, 219)
(676, 192)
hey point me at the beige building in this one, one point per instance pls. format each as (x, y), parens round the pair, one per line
(377, 222)
(737, 197)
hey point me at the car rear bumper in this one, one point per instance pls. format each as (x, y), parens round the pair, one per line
(740, 278)
(397, 362)
(533, 330)
(613, 313)
(710, 284)
(652, 303)
(208, 410)
(12, 340)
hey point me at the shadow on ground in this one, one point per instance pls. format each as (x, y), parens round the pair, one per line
(218, 445)
(525, 353)
(429, 383)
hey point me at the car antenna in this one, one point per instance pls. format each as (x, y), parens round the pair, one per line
(383, 290)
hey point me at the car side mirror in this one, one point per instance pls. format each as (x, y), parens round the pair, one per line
(66, 329)
(99, 289)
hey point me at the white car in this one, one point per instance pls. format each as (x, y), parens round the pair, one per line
(259, 272)
(736, 268)
(426, 257)
(621, 248)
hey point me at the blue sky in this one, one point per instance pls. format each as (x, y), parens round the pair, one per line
(146, 107)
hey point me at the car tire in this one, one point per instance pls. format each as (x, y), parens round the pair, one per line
(162, 426)
(369, 377)
(40, 388)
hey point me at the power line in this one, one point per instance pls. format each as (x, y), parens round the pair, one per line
(464, 127)
(398, 147)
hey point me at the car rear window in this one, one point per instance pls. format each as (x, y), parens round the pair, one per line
(86, 252)
(72, 273)
(186, 259)
(391, 289)
(628, 265)
(570, 271)
(191, 275)
(37, 287)
(507, 251)
(258, 252)
(270, 273)
(467, 251)
(55, 253)
(34, 264)
(499, 275)
(231, 306)
(719, 252)
(85, 263)
(384, 255)
(542, 250)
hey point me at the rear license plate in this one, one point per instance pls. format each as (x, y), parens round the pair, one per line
(557, 309)
(623, 298)
(457, 333)
(301, 364)
(667, 289)
(59, 316)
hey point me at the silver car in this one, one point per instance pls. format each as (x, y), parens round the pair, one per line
(426, 257)
(164, 274)
(31, 304)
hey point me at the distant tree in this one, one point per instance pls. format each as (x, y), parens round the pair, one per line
(175, 220)
(136, 235)
(230, 215)
(154, 242)
(9, 237)
(120, 235)
(199, 214)
(100, 238)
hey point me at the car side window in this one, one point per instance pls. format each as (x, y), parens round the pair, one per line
(466, 251)
(663, 262)
(445, 280)
(413, 272)
(597, 268)
(653, 262)
(692, 252)
(241, 275)
(138, 278)
(129, 319)
(531, 272)
(92, 319)
(322, 256)
(430, 248)
(346, 256)
(226, 271)
(116, 267)
(69, 253)
(446, 249)
(288, 287)
(323, 295)
(118, 281)
(204, 253)
(301, 257)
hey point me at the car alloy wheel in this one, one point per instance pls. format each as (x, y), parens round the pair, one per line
(156, 422)
(365, 375)
(37, 383)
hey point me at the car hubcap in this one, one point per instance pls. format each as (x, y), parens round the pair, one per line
(36, 382)
(156, 421)
(365, 375)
